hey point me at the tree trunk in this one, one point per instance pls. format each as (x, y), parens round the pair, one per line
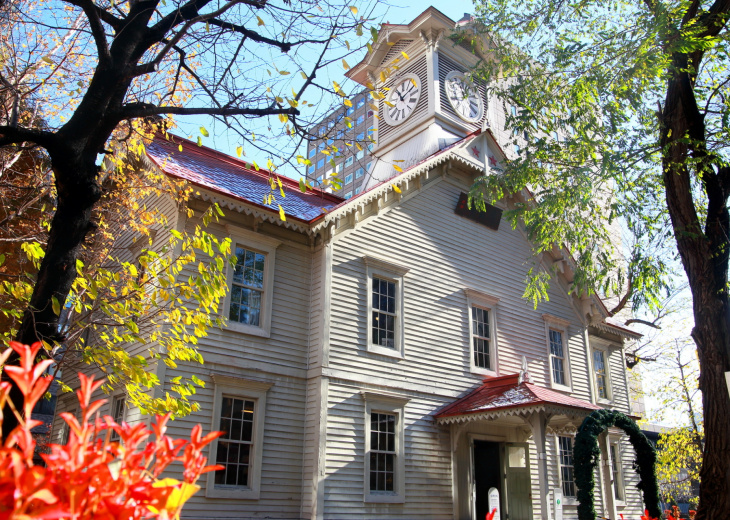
(77, 193)
(704, 254)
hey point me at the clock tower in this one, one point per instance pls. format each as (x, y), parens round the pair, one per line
(427, 99)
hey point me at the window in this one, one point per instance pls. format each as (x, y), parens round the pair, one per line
(360, 136)
(320, 163)
(385, 306)
(357, 190)
(360, 119)
(350, 111)
(311, 169)
(382, 452)
(558, 360)
(312, 152)
(117, 413)
(338, 168)
(367, 167)
(360, 103)
(248, 287)
(348, 178)
(565, 456)
(517, 149)
(557, 356)
(340, 133)
(370, 113)
(349, 161)
(513, 110)
(251, 281)
(320, 147)
(330, 141)
(319, 179)
(348, 195)
(599, 367)
(384, 312)
(482, 337)
(384, 447)
(238, 411)
(330, 124)
(360, 154)
(370, 147)
(359, 173)
(322, 131)
(615, 452)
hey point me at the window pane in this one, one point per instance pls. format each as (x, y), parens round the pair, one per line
(566, 465)
(234, 447)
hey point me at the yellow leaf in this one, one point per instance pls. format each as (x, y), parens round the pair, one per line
(391, 44)
(347, 103)
(405, 55)
(261, 22)
(239, 150)
(414, 82)
(282, 215)
(397, 168)
(284, 73)
(283, 118)
(395, 188)
(373, 106)
(336, 86)
(354, 10)
(358, 146)
(303, 75)
(344, 64)
(179, 148)
(347, 44)
(391, 105)
(204, 131)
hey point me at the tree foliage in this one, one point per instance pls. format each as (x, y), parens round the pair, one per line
(622, 118)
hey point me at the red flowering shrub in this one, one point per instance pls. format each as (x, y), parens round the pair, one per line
(91, 477)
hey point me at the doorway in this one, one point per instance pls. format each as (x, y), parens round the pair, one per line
(487, 475)
(519, 483)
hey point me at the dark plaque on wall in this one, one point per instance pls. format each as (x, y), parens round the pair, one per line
(489, 218)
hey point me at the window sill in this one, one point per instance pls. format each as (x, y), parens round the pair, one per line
(561, 388)
(384, 499)
(619, 503)
(483, 372)
(607, 402)
(251, 330)
(385, 351)
(232, 493)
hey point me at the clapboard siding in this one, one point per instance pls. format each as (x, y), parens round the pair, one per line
(426, 451)
(445, 253)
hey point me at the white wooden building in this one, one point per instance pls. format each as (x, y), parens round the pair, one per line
(380, 360)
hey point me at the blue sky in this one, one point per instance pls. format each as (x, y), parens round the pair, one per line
(226, 141)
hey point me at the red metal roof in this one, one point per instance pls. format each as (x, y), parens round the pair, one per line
(502, 393)
(222, 173)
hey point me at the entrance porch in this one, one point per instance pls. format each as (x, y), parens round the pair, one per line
(499, 442)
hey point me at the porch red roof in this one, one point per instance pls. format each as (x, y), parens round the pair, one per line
(507, 393)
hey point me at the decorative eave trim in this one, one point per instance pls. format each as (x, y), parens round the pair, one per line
(615, 329)
(386, 188)
(385, 265)
(519, 411)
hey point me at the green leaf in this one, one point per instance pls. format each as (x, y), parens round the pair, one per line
(55, 306)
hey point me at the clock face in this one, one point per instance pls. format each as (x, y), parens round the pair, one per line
(403, 98)
(464, 97)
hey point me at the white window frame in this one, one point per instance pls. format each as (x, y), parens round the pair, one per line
(615, 442)
(240, 388)
(384, 269)
(489, 303)
(261, 244)
(561, 325)
(376, 402)
(567, 499)
(605, 347)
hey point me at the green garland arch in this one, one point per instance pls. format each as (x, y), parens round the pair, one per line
(586, 455)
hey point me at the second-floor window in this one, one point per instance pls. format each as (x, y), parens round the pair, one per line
(599, 367)
(557, 356)
(481, 338)
(565, 455)
(384, 312)
(248, 287)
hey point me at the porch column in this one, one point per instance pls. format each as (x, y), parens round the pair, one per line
(538, 422)
(607, 477)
